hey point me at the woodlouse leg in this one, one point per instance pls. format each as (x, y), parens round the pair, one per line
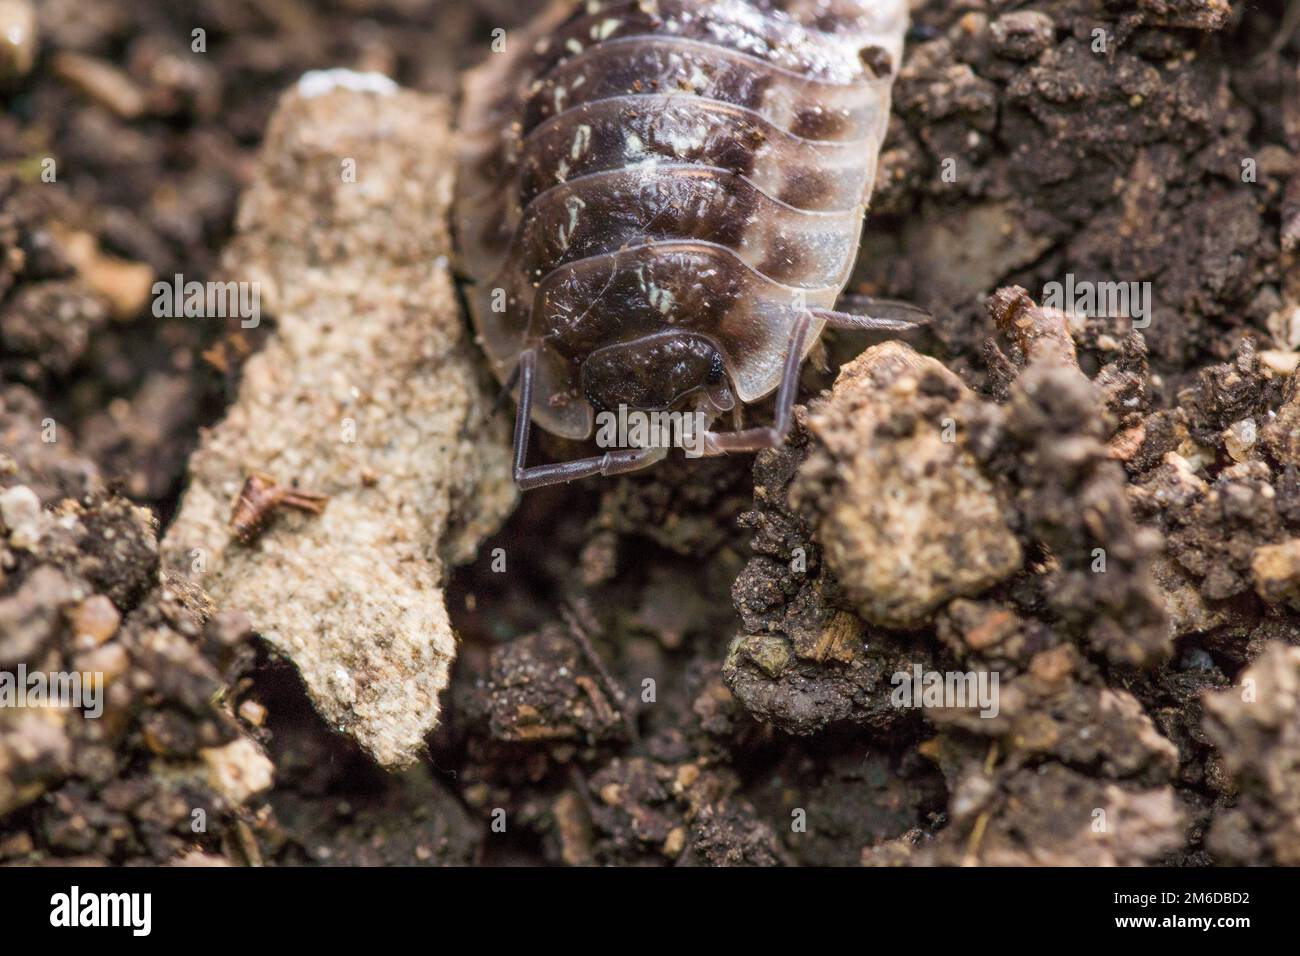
(611, 463)
(769, 436)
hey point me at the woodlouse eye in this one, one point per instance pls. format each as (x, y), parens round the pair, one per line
(877, 59)
(716, 369)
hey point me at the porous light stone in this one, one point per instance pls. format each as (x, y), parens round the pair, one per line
(907, 519)
(369, 391)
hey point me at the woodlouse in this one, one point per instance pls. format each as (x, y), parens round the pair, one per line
(659, 203)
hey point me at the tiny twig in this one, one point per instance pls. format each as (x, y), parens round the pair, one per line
(573, 615)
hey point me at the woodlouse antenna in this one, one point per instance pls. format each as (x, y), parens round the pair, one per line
(870, 314)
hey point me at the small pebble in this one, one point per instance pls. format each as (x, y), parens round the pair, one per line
(1280, 363)
(20, 513)
(94, 620)
(110, 661)
(1239, 438)
(125, 285)
(1022, 34)
(252, 712)
(19, 39)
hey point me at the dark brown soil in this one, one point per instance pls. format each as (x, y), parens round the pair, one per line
(652, 682)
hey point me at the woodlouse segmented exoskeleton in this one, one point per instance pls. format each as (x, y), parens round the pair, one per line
(659, 203)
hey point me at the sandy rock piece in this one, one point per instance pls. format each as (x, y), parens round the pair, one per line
(907, 519)
(369, 393)
(1256, 727)
(1276, 571)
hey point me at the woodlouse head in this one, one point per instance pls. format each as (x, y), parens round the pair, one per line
(657, 372)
